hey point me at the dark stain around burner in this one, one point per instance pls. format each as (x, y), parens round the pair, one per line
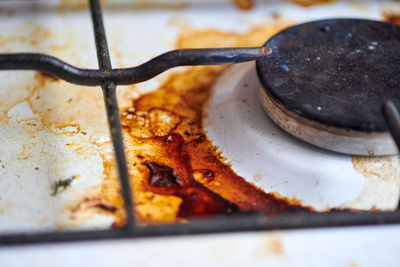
(391, 17)
(200, 139)
(189, 133)
(162, 175)
(184, 164)
(197, 200)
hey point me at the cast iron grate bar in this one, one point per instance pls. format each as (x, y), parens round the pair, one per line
(108, 79)
(223, 224)
(110, 100)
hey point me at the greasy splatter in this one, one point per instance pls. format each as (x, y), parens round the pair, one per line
(270, 245)
(176, 172)
(244, 4)
(391, 17)
(382, 181)
(308, 3)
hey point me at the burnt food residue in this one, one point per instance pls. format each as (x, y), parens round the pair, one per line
(175, 171)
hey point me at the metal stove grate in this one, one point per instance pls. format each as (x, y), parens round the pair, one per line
(108, 78)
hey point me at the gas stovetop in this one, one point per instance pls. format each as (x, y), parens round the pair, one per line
(329, 189)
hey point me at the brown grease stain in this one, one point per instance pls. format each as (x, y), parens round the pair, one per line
(271, 245)
(214, 38)
(176, 173)
(147, 4)
(94, 202)
(197, 200)
(308, 3)
(381, 175)
(162, 175)
(73, 5)
(392, 17)
(34, 37)
(276, 246)
(244, 4)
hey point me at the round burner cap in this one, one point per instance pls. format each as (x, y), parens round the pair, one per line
(335, 72)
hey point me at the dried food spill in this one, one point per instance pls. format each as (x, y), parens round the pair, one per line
(176, 172)
(307, 3)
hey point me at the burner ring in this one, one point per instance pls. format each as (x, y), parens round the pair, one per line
(328, 137)
(331, 77)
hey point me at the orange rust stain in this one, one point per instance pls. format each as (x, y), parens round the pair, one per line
(60, 104)
(35, 42)
(272, 245)
(381, 175)
(176, 173)
(391, 17)
(215, 38)
(110, 190)
(34, 37)
(60, 48)
(276, 246)
(146, 4)
(308, 3)
(290, 200)
(72, 5)
(382, 167)
(65, 129)
(40, 33)
(244, 4)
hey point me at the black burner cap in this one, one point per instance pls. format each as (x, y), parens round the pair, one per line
(337, 72)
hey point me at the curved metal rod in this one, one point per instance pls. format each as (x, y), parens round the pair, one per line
(392, 117)
(143, 72)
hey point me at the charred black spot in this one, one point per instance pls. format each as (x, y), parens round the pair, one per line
(200, 139)
(162, 175)
(189, 133)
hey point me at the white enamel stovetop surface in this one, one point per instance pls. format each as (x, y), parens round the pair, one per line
(261, 153)
(277, 162)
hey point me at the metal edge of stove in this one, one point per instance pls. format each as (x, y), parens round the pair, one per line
(232, 223)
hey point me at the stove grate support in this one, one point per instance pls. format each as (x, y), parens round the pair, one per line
(108, 78)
